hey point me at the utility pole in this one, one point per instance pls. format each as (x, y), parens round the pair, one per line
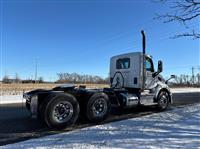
(36, 71)
(193, 75)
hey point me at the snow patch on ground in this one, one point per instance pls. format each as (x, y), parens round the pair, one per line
(185, 90)
(178, 128)
(7, 99)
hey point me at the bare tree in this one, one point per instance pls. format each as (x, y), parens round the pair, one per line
(17, 78)
(198, 79)
(6, 79)
(41, 80)
(183, 11)
(186, 80)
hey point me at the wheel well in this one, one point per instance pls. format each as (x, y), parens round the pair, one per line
(41, 100)
(166, 90)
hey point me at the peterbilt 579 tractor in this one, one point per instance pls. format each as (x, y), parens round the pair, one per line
(133, 82)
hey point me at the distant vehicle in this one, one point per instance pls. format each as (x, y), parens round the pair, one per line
(133, 81)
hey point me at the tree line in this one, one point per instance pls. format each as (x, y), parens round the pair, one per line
(186, 80)
(6, 79)
(78, 78)
(181, 80)
(62, 78)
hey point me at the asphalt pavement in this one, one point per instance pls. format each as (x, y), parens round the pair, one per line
(17, 125)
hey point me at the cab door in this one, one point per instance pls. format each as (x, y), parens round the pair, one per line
(150, 81)
(121, 77)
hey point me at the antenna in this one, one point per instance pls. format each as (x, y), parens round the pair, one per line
(143, 42)
(36, 63)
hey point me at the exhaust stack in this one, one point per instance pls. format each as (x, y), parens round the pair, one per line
(144, 52)
(143, 42)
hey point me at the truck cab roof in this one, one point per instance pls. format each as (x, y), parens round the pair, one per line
(130, 54)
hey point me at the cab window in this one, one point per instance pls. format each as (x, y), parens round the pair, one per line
(123, 63)
(149, 65)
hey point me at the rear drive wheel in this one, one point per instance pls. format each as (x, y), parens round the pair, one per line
(163, 100)
(98, 107)
(61, 111)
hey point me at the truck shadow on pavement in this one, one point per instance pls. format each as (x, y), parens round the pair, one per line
(17, 125)
(173, 129)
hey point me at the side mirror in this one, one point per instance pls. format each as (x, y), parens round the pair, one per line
(171, 77)
(159, 70)
(160, 66)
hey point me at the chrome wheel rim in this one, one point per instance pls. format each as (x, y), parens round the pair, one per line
(62, 112)
(163, 100)
(99, 107)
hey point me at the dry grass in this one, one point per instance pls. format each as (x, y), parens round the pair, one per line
(15, 89)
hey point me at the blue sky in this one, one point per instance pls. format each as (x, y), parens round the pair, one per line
(81, 36)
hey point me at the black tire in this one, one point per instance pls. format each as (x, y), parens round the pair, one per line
(57, 106)
(98, 107)
(163, 100)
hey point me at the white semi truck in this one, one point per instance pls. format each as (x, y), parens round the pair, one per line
(133, 81)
